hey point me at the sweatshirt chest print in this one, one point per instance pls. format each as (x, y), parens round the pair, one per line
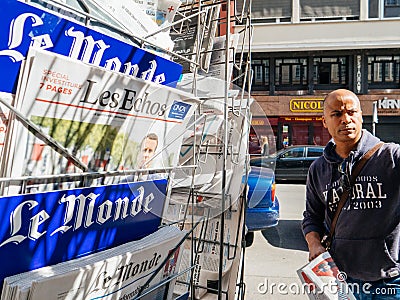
(366, 194)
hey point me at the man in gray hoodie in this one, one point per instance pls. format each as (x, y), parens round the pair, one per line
(367, 234)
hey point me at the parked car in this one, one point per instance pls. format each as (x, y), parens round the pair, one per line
(262, 204)
(291, 163)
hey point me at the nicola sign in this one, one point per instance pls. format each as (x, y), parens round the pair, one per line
(306, 105)
(23, 26)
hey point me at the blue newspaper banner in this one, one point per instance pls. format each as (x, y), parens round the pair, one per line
(46, 228)
(22, 26)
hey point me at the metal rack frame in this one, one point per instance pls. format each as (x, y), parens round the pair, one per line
(195, 10)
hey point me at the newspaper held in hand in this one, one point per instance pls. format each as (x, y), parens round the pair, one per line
(323, 280)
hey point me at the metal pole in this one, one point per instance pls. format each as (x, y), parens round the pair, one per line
(225, 149)
(374, 116)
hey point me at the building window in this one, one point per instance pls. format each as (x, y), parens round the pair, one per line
(383, 71)
(260, 69)
(392, 9)
(383, 9)
(290, 72)
(373, 9)
(330, 71)
(275, 11)
(311, 10)
(260, 73)
(392, 2)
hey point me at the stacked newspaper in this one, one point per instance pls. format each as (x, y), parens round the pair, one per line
(194, 35)
(323, 279)
(160, 11)
(206, 253)
(202, 146)
(132, 17)
(218, 57)
(207, 132)
(211, 83)
(4, 119)
(117, 273)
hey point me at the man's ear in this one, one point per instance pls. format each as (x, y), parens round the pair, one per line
(323, 122)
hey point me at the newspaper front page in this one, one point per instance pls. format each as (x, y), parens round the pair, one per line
(100, 116)
(41, 229)
(117, 273)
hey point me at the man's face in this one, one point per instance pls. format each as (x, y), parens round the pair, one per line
(147, 152)
(343, 117)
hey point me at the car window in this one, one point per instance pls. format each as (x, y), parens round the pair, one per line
(292, 153)
(314, 152)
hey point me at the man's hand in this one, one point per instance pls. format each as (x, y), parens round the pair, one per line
(314, 245)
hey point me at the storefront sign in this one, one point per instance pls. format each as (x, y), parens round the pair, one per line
(306, 105)
(257, 122)
(389, 103)
(388, 106)
(302, 119)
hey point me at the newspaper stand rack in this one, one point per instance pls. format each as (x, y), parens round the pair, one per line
(212, 217)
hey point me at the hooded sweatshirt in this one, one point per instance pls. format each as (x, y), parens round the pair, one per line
(367, 234)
